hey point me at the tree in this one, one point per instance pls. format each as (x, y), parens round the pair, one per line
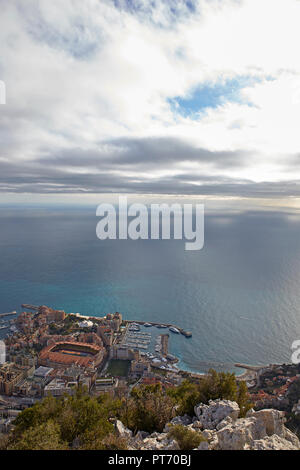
(71, 417)
(213, 386)
(243, 399)
(45, 436)
(151, 408)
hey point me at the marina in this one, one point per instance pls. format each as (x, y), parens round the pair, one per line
(175, 329)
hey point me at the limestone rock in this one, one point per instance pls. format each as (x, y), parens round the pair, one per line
(209, 435)
(291, 437)
(244, 431)
(152, 443)
(274, 442)
(203, 446)
(197, 425)
(121, 430)
(182, 420)
(223, 430)
(162, 437)
(224, 423)
(272, 419)
(141, 435)
(211, 415)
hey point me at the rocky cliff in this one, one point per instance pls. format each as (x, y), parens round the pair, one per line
(222, 429)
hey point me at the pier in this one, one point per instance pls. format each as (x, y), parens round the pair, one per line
(29, 307)
(249, 367)
(7, 314)
(187, 334)
(164, 344)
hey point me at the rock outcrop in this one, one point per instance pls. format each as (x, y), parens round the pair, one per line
(211, 415)
(272, 443)
(155, 441)
(121, 430)
(182, 420)
(222, 429)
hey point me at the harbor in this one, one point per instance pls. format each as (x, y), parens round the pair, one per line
(173, 328)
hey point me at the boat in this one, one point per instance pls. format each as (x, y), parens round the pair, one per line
(161, 326)
(174, 330)
(147, 324)
(134, 328)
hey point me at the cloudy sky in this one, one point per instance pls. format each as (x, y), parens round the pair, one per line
(179, 97)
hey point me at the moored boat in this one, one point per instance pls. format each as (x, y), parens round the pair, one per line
(174, 330)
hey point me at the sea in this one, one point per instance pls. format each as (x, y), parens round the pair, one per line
(239, 295)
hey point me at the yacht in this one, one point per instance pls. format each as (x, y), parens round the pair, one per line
(174, 330)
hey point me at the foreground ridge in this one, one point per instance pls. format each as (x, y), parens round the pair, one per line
(219, 425)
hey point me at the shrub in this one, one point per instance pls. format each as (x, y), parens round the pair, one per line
(113, 442)
(148, 409)
(186, 438)
(64, 420)
(213, 386)
(43, 437)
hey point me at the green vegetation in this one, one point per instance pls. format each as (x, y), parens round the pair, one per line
(149, 408)
(84, 422)
(118, 368)
(63, 423)
(215, 385)
(186, 438)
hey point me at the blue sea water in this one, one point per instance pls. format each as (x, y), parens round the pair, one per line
(239, 295)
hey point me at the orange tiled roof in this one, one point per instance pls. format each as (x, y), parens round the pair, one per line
(48, 353)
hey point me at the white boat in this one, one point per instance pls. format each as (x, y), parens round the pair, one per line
(133, 328)
(147, 324)
(174, 330)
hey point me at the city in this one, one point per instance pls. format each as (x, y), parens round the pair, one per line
(52, 353)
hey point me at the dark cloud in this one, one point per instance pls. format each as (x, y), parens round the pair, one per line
(147, 153)
(106, 171)
(37, 178)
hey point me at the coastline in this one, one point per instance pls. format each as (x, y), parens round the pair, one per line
(249, 371)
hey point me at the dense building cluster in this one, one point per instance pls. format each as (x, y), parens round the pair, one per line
(53, 353)
(49, 352)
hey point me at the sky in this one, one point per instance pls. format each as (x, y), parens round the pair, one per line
(180, 98)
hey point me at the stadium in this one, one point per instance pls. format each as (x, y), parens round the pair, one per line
(68, 353)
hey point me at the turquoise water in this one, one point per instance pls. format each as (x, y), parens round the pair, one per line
(239, 295)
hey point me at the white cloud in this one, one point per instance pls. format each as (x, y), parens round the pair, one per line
(81, 73)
